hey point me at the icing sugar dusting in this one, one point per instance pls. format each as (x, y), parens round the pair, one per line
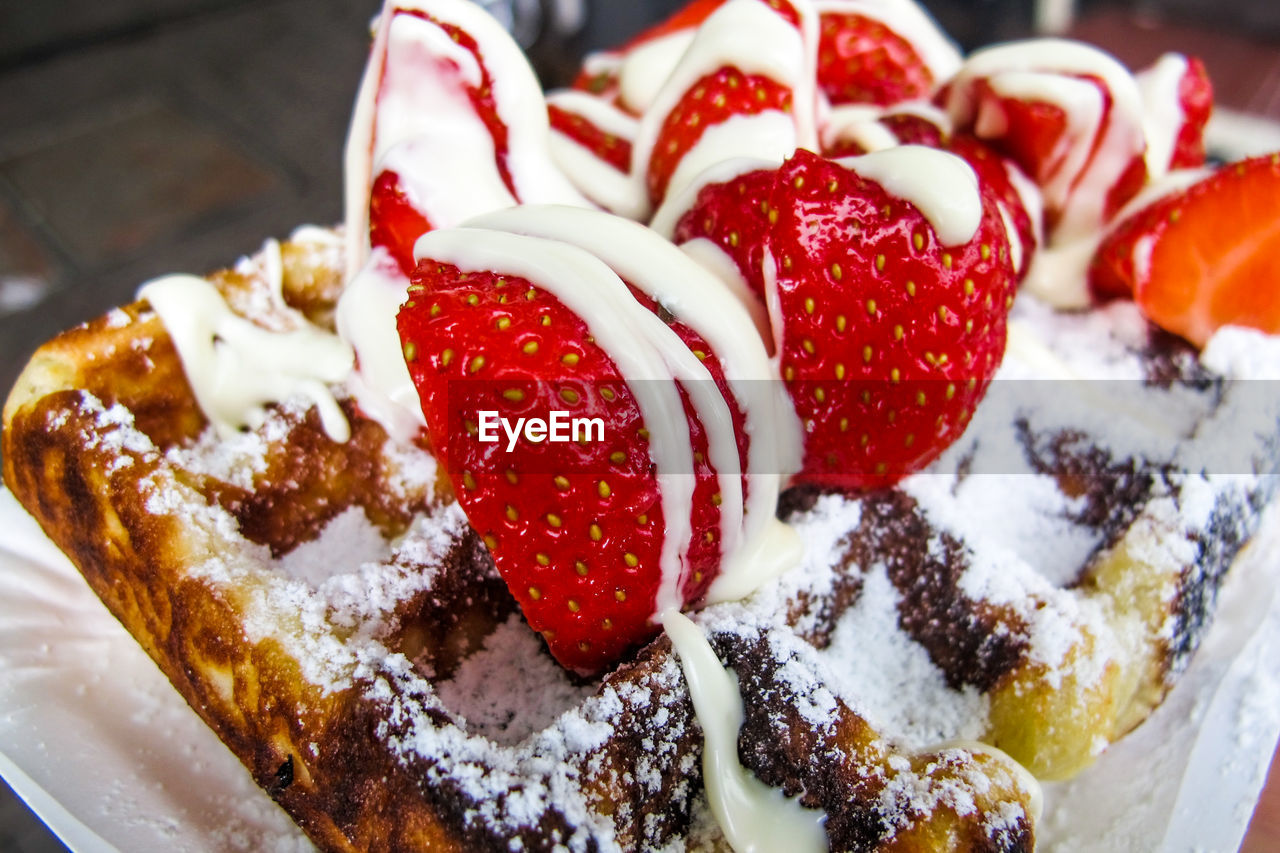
(890, 678)
(535, 690)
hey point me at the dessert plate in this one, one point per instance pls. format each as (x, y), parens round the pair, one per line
(100, 746)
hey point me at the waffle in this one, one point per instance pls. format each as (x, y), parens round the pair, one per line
(326, 609)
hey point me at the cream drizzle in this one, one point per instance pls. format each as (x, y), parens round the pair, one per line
(648, 65)
(754, 817)
(724, 171)
(770, 135)
(942, 186)
(714, 260)
(1162, 116)
(366, 319)
(859, 124)
(236, 368)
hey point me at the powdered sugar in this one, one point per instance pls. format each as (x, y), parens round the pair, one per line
(888, 677)
(535, 690)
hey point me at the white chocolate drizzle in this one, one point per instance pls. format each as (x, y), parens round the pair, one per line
(942, 186)
(1162, 116)
(237, 368)
(754, 817)
(366, 319)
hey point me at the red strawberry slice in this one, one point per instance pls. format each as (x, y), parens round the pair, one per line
(609, 147)
(395, 223)
(994, 177)
(849, 129)
(1176, 87)
(1195, 96)
(714, 99)
(862, 61)
(1069, 115)
(576, 529)
(705, 553)
(735, 216)
(1204, 257)
(888, 338)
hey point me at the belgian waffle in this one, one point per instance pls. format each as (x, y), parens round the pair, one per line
(238, 467)
(326, 609)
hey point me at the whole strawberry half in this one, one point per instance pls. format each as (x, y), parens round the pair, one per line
(862, 61)
(888, 338)
(1203, 257)
(995, 177)
(733, 214)
(712, 100)
(575, 528)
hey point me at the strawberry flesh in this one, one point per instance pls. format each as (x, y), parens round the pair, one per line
(608, 147)
(734, 216)
(394, 222)
(1195, 97)
(1202, 258)
(862, 61)
(713, 99)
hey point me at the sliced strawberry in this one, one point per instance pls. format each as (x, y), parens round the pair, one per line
(862, 61)
(851, 131)
(1069, 115)
(994, 178)
(1204, 257)
(576, 529)
(431, 95)
(1178, 99)
(609, 147)
(395, 223)
(888, 338)
(712, 100)
(705, 552)
(735, 216)
(1195, 96)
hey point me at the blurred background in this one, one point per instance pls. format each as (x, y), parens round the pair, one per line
(141, 137)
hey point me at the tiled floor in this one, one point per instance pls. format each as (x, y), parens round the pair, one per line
(153, 136)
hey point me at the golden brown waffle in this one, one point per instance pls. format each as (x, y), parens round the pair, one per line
(327, 611)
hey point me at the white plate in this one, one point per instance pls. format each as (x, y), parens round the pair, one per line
(96, 741)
